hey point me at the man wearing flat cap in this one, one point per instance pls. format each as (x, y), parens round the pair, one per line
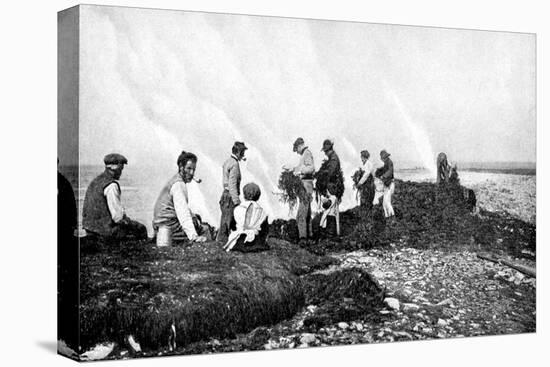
(103, 214)
(231, 178)
(305, 170)
(385, 174)
(330, 185)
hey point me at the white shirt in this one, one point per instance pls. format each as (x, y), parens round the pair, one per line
(249, 216)
(181, 205)
(368, 167)
(112, 194)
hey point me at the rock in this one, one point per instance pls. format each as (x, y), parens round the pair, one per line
(132, 344)
(308, 338)
(100, 351)
(410, 307)
(343, 325)
(392, 303)
(444, 302)
(403, 334)
(311, 308)
(359, 327)
(441, 322)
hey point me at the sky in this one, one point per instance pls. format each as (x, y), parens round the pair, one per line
(156, 82)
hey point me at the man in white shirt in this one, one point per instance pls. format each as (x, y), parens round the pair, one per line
(172, 206)
(305, 170)
(366, 183)
(103, 213)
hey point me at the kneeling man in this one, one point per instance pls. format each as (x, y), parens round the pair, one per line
(172, 207)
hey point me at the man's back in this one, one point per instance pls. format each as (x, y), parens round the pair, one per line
(96, 216)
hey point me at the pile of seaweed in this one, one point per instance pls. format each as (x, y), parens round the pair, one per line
(138, 289)
(426, 215)
(344, 295)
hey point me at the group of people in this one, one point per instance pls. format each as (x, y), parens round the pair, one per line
(377, 183)
(244, 223)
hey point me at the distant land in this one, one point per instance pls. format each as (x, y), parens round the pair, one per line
(514, 168)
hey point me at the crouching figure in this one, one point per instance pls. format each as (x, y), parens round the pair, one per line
(251, 223)
(173, 219)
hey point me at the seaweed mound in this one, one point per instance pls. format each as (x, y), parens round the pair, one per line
(141, 290)
(342, 295)
(427, 215)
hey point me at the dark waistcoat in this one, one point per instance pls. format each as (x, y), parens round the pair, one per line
(96, 216)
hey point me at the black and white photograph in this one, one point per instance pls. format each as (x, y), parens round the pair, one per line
(238, 183)
(272, 183)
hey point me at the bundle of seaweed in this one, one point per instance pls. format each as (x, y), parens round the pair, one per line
(342, 295)
(357, 177)
(141, 290)
(325, 183)
(363, 190)
(291, 188)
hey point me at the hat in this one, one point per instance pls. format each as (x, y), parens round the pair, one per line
(251, 191)
(327, 145)
(239, 145)
(115, 158)
(384, 154)
(297, 143)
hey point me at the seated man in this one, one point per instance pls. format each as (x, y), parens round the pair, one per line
(103, 214)
(251, 222)
(172, 210)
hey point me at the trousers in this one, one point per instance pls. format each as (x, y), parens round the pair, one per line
(227, 221)
(303, 216)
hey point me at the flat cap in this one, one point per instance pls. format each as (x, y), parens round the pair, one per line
(115, 158)
(297, 143)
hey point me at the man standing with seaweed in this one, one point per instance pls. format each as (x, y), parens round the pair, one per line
(231, 176)
(330, 185)
(366, 183)
(385, 174)
(305, 170)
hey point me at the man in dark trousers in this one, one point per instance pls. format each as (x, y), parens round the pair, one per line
(231, 178)
(330, 184)
(366, 183)
(103, 214)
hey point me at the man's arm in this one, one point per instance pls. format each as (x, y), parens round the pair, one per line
(112, 194)
(234, 173)
(366, 174)
(182, 210)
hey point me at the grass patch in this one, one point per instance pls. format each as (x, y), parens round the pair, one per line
(142, 290)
